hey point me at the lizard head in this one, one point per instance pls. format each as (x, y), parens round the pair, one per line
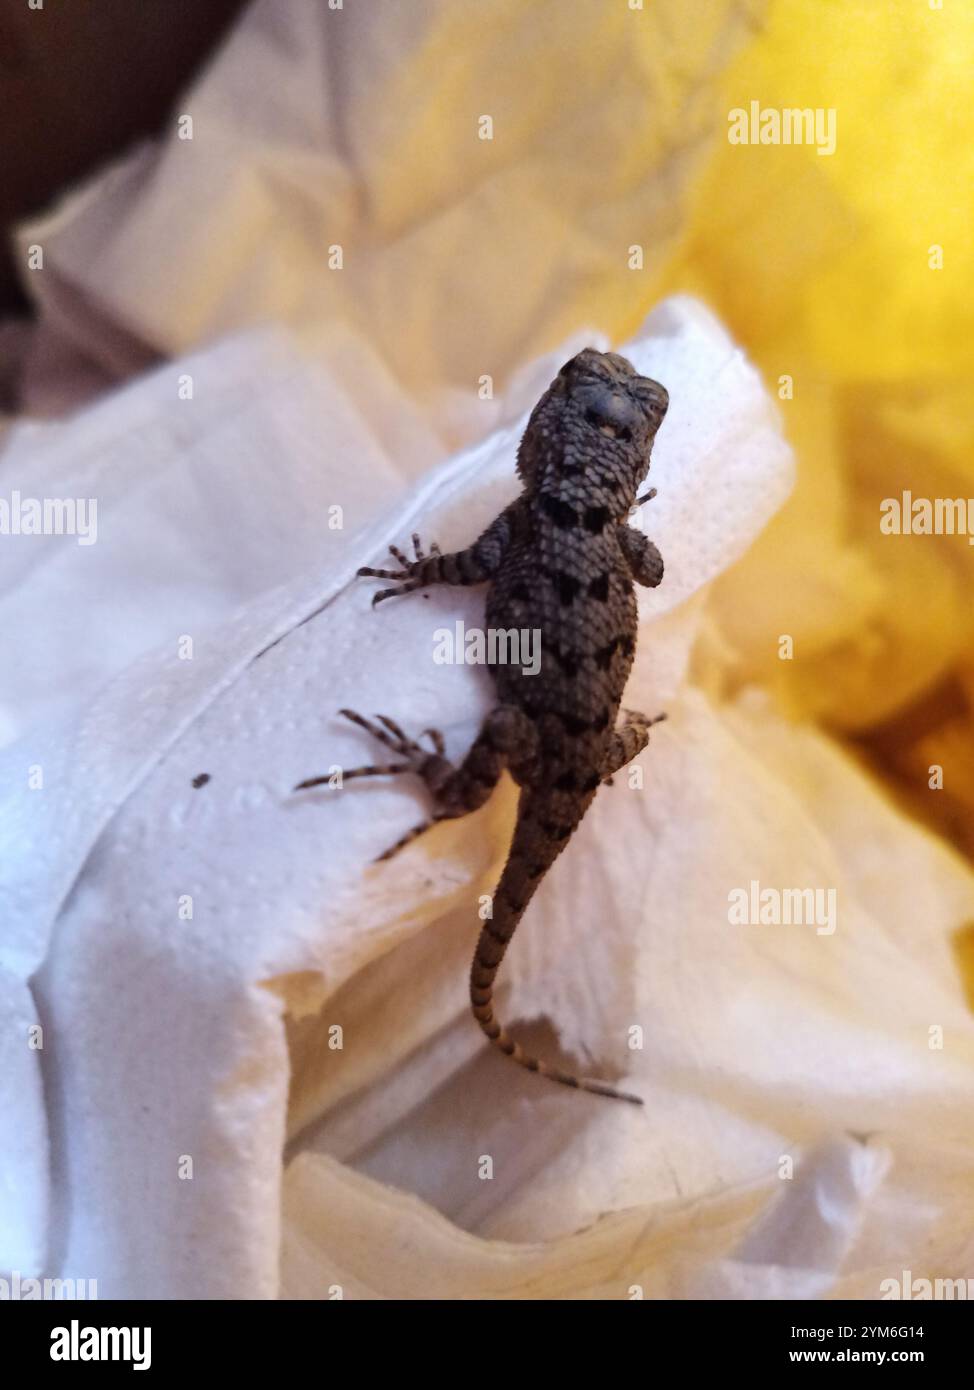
(597, 407)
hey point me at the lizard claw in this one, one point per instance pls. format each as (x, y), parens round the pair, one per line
(391, 734)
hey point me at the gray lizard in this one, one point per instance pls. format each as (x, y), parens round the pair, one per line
(560, 560)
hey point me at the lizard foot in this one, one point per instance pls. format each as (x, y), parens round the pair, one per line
(407, 571)
(416, 758)
(433, 767)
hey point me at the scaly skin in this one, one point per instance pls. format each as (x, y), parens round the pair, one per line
(561, 560)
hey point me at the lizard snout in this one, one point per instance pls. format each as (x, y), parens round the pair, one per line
(611, 412)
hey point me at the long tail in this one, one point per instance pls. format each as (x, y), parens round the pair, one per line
(532, 853)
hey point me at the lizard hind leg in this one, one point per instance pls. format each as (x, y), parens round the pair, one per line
(507, 738)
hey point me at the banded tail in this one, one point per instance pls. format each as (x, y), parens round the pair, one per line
(532, 853)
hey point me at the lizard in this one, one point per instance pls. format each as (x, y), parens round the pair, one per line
(561, 560)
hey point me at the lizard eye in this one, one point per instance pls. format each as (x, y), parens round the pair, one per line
(651, 393)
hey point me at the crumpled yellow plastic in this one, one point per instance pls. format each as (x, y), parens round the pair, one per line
(852, 274)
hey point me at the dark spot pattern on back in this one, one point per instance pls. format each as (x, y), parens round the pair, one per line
(597, 519)
(561, 513)
(568, 587)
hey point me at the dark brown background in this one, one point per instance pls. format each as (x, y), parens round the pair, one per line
(80, 80)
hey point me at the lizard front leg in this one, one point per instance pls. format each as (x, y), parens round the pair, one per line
(471, 566)
(644, 560)
(627, 742)
(507, 739)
